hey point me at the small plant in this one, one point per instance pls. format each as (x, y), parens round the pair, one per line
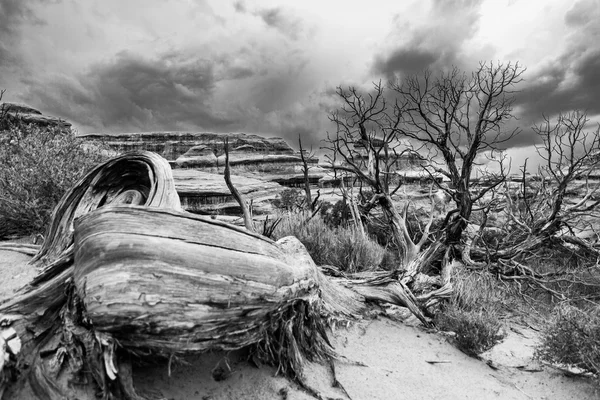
(572, 338)
(289, 200)
(476, 331)
(37, 165)
(472, 312)
(336, 215)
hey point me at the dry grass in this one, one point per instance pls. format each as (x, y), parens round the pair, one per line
(345, 248)
(475, 310)
(476, 331)
(572, 337)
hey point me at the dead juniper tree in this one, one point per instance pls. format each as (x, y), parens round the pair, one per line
(310, 204)
(460, 118)
(367, 147)
(557, 208)
(456, 119)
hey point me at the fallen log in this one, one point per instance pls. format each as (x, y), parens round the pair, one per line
(169, 281)
(124, 272)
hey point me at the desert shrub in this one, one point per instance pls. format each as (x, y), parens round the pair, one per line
(37, 165)
(474, 309)
(336, 215)
(572, 337)
(476, 330)
(344, 248)
(355, 251)
(289, 200)
(390, 260)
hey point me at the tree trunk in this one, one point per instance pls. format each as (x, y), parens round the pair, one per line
(458, 221)
(125, 273)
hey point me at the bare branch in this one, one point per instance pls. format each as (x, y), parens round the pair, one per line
(248, 222)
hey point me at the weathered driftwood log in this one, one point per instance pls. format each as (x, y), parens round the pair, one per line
(149, 279)
(124, 272)
(169, 281)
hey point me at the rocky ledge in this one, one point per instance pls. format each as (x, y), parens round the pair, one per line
(20, 112)
(206, 193)
(173, 145)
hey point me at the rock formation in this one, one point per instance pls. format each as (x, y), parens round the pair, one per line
(20, 112)
(172, 145)
(206, 193)
(260, 166)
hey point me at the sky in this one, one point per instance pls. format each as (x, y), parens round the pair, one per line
(271, 67)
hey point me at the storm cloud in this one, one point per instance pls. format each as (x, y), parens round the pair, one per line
(435, 44)
(270, 67)
(571, 81)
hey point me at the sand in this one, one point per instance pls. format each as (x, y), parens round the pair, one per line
(381, 358)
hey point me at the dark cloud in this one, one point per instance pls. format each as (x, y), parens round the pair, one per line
(14, 14)
(135, 93)
(240, 7)
(176, 92)
(436, 44)
(571, 82)
(281, 20)
(408, 61)
(581, 13)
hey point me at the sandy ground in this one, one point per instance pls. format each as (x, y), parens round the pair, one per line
(381, 359)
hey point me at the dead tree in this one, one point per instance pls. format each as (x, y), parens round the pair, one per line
(459, 117)
(125, 273)
(537, 210)
(246, 212)
(305, 155)
(367, 146)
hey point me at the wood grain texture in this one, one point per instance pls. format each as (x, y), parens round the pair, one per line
(172, 281)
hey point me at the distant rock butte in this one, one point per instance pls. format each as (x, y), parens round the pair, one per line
(29, 115)
(260, 166)
(206, 193)
(172, 145)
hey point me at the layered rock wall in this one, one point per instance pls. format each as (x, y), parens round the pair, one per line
(172, 145)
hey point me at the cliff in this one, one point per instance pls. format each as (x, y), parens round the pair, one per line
(259, 165)
(172, 145)
(206, 193)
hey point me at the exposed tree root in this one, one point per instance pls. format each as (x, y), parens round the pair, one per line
(28, 249)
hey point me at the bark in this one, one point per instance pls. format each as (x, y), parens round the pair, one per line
(248, 221)
(125, 273)
(308, 203)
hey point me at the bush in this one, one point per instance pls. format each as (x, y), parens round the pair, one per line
(336, 215)
(474, 309)
(572, 338)
(476, 331)
(289, 200)
(37, 165)
(344, 248)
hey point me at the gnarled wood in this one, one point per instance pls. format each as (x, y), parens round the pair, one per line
(124, 272)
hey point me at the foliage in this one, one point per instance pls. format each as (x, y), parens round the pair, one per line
(345, 248)
(37, 165)
(289, 200)
(572, 338)
(476, 331)
(473, 311)
(336, 215)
